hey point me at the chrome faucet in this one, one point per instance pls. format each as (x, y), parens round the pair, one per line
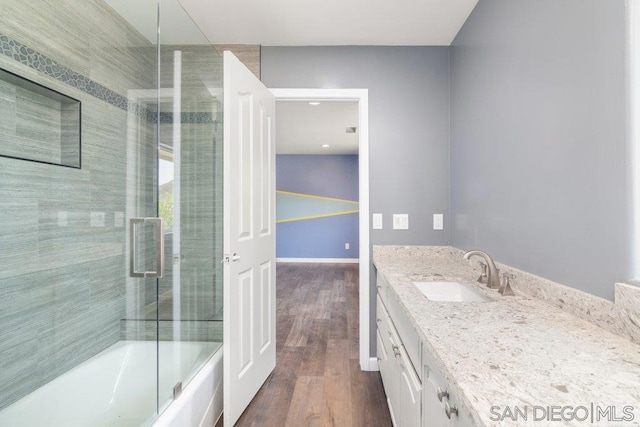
(484, 278)
(505, 289)
(493, 276)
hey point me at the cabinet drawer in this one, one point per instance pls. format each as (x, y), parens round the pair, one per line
(408, 335)
(384, 360)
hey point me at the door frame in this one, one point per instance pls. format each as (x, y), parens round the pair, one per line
(361, 96)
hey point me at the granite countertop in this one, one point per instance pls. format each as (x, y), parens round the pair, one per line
(511, 351)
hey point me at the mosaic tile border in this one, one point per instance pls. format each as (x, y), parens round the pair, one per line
(186, 118)
(29, 57)
(50, 67)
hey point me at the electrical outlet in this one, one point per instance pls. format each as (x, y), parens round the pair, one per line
(438, 221)
(346, 246)
(400, 221)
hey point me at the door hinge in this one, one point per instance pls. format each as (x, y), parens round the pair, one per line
(177, 390)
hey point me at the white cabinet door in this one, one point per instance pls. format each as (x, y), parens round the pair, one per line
(391, 345)
(386, 366)
(432, 409)
(249, 236)
(386, 362)
(460, 420)
(401, 383)
(384, 359)
(409, 393)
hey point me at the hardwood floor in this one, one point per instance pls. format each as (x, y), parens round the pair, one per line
(317, 380)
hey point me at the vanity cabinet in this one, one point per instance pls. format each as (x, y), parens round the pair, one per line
(440, 406)
(402, 384)
(417, 395)
(386, 358)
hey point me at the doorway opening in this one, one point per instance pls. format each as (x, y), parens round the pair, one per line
(317, 189)
(359, 97)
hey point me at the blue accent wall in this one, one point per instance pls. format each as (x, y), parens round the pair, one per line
(333, 176)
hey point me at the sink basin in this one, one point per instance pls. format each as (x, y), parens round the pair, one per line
(450, 291)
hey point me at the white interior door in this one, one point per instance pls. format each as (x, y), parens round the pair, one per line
(249, 237)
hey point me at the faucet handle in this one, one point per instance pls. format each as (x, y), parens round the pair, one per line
(505, 289)
(484, 277)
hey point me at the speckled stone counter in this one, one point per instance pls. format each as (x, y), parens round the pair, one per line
(511, 351)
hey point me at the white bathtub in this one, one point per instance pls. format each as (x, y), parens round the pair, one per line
(117, 387)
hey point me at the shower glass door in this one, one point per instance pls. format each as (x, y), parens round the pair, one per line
(189, 305)
(136, 383)
(178, 184)
(180, 175)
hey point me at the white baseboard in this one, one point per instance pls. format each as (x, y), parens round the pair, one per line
(321, 260)
(373, 365)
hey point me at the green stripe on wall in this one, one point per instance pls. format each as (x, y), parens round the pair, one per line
(298, 207)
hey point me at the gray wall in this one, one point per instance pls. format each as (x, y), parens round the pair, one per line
(408, 126)
(539, 175)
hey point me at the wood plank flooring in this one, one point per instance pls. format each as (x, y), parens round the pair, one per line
(317, 380)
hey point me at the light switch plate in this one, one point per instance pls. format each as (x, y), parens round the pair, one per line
(438, 221)
(400, 221)
(377, 221)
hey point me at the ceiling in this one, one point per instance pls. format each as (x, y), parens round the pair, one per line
(176, 25)
(302, 23)
(303, 128)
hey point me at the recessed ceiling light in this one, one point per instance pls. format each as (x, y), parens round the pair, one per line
(314, 103)
(325, 145)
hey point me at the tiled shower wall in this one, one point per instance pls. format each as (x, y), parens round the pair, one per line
(38, 125)
(62, 231)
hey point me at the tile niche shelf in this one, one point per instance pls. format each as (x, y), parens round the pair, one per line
(37, 123)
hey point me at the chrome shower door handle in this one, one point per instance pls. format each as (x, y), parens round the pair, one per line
(133, 243)
(159, 247)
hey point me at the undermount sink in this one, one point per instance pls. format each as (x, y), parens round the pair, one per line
(450, 291)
